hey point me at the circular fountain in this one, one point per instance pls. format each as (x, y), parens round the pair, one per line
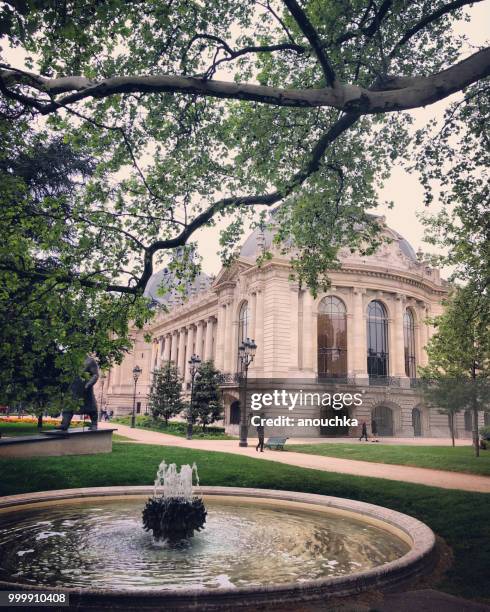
(257, 546)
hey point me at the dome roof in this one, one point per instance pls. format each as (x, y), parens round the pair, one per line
(165, 278)
(262, 239)
(258, 239)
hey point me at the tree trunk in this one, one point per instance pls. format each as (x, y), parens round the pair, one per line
(475, 411)
(451, 427)
(475, 432)
(40, 421)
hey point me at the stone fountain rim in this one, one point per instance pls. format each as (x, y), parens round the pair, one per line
(414, 563)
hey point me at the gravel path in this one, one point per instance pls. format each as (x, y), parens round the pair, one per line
(402, 473)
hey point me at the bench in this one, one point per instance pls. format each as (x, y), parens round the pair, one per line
(276, 443)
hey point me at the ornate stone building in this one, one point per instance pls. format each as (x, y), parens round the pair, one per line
(365, 335)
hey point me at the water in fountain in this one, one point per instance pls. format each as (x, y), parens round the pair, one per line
(174, 483)
(174, 513)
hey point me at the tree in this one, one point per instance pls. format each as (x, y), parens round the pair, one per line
(447, 395)
(214, 108)
(48, 324)
(207, 406)
(458, 372)
(165, 398)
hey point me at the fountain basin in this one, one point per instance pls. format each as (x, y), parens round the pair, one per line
(255, 533)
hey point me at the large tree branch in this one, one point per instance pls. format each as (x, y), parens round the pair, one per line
(41, 275)
(428, 19)
(312, 165)
(85, 280)
(312, 36)
(403, 93)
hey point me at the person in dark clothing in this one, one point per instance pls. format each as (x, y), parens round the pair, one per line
(374, 430)
(363, 431)
(260, 434)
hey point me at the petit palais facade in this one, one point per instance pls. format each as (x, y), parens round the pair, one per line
(365, 335)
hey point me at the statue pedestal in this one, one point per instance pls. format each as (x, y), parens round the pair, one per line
(56, 443)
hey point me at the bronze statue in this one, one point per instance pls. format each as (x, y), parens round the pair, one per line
(82, 388)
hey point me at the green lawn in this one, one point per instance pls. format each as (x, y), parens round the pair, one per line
(462, 519)
(457, 459)
(176, 428)
(24, 429)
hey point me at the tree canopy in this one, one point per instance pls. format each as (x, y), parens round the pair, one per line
(48, 321)
(198, 110)
(458, 372)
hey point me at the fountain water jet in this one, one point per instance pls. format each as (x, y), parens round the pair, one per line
(174, 513)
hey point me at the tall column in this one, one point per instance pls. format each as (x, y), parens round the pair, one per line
(199, 334)
(253, 315)
(158, 361)
(189, 350)
(173, 353)
(359, 341)
(258, 362)
(308, 356)
(220, 338)
(208, 339)
(398, 348)
(181, 364)
(166, 350)
(294, 329)
(228, 338)
(233, 338)
(423, 335)
(154, 354)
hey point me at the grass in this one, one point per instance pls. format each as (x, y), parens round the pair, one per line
(24, 429)
(461, 518)
(457, 459)
(119, 438)
(176, 428)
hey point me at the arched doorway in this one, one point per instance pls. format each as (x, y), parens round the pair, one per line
(334, 431)
(468, 420)
(417, 422)
(384, 420)
(235, 413)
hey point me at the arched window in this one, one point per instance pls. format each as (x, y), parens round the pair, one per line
(409, 343)
(417, 422)
(243, 322)
(332, 338)
(377, 340)
(235, 413)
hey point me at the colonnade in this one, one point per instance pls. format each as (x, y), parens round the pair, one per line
(181, 343)
(216, 337)
(226, 358)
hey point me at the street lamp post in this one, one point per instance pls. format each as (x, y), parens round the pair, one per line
(102, 381)
(246, 354)
(136, 374)
(194, 363)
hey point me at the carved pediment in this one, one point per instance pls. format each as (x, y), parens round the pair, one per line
(230, 274)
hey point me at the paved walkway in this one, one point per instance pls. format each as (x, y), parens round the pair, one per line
(434, 478)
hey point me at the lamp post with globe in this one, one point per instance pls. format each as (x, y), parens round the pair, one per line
(246, 354)
(194, 363)
(136, 374)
